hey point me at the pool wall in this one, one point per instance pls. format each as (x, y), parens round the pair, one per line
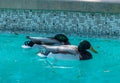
(91, 19)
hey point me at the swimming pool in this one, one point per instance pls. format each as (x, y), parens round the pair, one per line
(19, 65)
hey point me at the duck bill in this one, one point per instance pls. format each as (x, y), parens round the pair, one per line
(93, 50)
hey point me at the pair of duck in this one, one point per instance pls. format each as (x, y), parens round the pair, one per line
(61, 39)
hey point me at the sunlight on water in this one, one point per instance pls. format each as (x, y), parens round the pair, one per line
(18, 65)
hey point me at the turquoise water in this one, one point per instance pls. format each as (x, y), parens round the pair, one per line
(19, 65)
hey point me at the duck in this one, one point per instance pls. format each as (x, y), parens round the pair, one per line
(58, 39)
(82, 52)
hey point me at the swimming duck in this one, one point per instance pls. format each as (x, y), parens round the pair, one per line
(58, 39)
(69, 52)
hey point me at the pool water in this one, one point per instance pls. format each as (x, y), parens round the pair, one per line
(18, 65)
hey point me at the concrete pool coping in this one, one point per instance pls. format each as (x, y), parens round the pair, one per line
(103, 6)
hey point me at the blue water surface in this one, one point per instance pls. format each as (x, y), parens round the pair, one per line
(18, 65)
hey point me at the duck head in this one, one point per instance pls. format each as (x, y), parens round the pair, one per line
(62, 38)
(83, 47)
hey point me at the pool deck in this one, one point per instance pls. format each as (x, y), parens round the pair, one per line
(105, 6)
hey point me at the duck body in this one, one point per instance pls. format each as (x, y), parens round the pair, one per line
(60, 56)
